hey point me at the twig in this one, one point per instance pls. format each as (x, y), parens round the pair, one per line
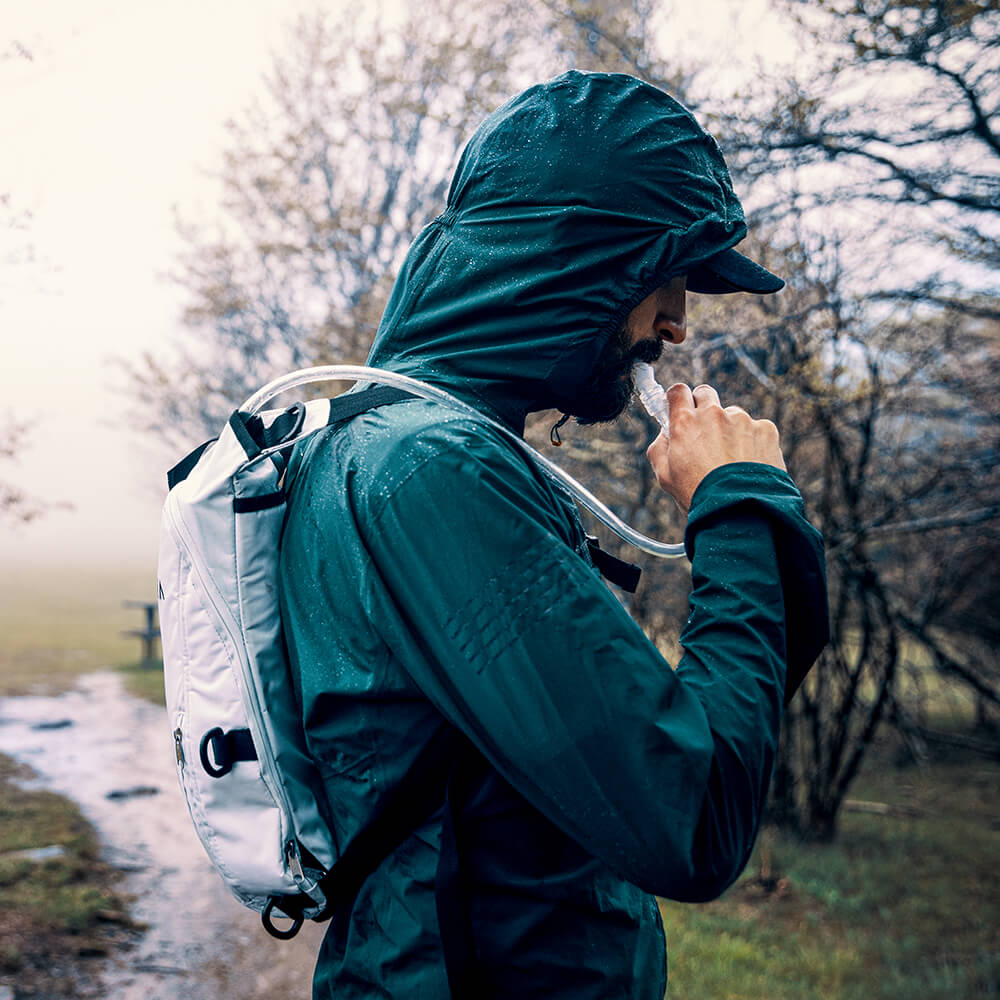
(881, 808)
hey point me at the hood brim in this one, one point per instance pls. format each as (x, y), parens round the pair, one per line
(731, 271)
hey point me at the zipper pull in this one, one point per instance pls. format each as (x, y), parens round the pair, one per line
(178, 746)
(294, 862)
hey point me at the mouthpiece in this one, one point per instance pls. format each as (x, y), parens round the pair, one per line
(652, 394)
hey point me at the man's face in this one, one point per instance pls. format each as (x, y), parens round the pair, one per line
(660, 317)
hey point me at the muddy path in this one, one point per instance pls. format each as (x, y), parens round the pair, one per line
(112, 754)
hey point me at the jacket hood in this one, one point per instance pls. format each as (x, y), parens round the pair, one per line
(570, 204)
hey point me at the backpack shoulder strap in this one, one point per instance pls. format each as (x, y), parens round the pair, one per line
(350, 404)
(414, 801)
(255, 437)
(445, 773)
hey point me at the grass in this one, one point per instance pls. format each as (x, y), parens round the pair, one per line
(55, 626)
(56, 911)
(145, 682)
(896, 907)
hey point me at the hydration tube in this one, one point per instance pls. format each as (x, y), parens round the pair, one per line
(361, 373)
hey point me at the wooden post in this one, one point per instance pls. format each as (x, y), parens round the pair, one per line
(149, 634)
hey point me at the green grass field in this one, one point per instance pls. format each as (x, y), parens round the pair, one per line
(56, 625)
(899, 906)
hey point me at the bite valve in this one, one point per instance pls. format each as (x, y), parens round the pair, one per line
(652, 395)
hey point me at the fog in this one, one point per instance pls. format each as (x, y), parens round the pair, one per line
(113, 115)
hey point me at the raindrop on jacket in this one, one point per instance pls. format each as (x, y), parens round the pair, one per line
(431, 575)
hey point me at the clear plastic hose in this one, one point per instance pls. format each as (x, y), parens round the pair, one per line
(324, 373)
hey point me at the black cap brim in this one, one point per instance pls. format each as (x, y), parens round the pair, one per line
(730, 271)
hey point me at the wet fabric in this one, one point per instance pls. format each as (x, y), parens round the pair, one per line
(431, 575)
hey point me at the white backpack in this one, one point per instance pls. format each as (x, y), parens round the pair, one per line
(251, 787)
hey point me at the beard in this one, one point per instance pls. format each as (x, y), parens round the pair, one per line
(611, 386)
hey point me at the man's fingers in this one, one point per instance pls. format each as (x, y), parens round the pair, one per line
(657, 451)
(679, 398)
(705, 395)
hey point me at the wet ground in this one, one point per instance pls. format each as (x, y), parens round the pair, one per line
(113, 755)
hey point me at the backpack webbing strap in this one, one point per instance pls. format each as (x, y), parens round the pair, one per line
(183, 468)
(350, 404)
(450, 896)
(450, 760)
(617, 571)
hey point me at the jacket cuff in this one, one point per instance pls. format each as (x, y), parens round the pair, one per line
(756, 488)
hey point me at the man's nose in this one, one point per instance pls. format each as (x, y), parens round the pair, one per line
(671, 329)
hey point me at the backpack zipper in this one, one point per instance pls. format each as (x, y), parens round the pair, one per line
(268, 765)
(294, 862)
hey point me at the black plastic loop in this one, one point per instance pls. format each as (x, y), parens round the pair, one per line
(224, 766)
(282, 934)
(227, 749)
(285, 425)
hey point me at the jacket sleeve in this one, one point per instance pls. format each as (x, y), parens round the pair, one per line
(516, 640)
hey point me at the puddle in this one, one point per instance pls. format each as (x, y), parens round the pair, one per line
(113, 755)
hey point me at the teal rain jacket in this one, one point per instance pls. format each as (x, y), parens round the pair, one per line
(431, 575)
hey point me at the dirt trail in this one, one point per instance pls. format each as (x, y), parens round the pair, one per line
(112, 754)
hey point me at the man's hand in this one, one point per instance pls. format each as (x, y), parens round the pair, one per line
(704, 436)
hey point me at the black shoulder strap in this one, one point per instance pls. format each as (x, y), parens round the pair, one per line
(451, 894)
(445, 771)
(443, 774)
(350, 404)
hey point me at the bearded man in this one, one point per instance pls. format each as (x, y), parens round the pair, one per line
(434, 579)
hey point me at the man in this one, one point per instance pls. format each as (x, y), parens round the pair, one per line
(434, 577)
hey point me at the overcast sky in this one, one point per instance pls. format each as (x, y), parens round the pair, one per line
(116, 118)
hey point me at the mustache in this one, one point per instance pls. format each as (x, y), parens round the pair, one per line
(646, 350)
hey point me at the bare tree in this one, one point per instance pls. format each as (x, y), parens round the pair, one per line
(878, 175)
(893, 440)
(900, 123)
(326, 181)
(16, 505)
